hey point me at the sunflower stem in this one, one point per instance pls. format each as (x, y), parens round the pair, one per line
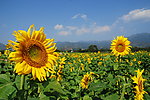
(22, 82)
(39, 88)
(119, 59)
(123, 92)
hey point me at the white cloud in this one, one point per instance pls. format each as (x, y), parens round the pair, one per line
(75, 16)
(83, 16)
(100, 29)
(138, 14)
(63, 33)
(82, 30)
(117, 26)
(71, 28)
(79, 30)
(58, 27)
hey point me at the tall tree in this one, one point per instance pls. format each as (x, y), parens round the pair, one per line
(92, 48)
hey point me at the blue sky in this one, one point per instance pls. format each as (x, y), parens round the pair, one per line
(75, 20)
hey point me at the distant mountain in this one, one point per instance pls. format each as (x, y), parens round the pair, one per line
(137, 40)
(140, 40)
(2, 46)
(82, 45)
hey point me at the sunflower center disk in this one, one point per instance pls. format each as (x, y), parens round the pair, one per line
(35, 54)
(120, 48)
(140, 85)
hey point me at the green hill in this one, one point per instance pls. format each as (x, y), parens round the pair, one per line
(2, 46)
(141, 40)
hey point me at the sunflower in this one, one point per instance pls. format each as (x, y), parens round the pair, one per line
(33, 53)
(85, 80)
(8, 46)
(139, 85)
(120, 46)
(7, 52)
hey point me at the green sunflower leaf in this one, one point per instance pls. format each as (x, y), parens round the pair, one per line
(55, 86)
(4, 79)
(112, 97)
(86, 97)
(7, 89)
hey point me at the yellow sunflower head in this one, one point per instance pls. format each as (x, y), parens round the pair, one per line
(85, 80)
(33, 53)
(120, 46)
(7, 52)
(139, 85)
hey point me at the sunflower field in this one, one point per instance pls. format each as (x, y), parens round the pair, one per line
(34, 71)
(110, 78)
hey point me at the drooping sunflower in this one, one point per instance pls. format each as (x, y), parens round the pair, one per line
(139, 89)
(33, 53)
(85, 81)
(120, 46)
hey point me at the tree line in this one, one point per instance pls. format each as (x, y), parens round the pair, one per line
(94, 48)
